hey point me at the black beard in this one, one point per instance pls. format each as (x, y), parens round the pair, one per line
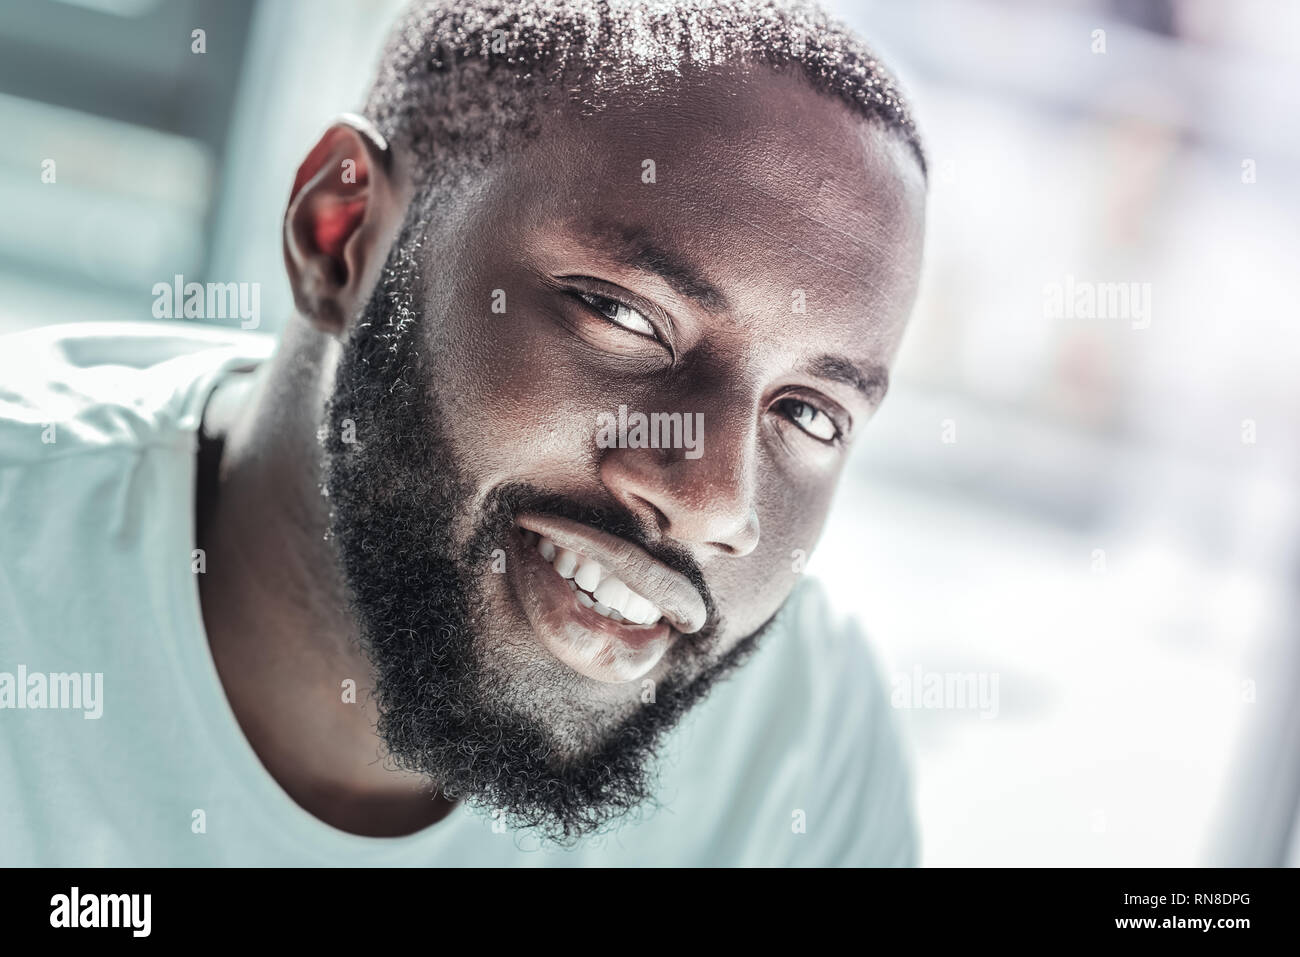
(500, 733)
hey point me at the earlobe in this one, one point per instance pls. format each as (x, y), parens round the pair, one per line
(340, 211)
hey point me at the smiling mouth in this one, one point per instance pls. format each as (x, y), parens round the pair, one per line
(594, 586)
(601, 604)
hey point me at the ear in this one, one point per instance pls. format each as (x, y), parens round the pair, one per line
(340, 220)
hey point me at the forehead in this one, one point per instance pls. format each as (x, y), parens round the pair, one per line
(759, 194)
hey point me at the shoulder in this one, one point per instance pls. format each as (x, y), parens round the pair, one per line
(79, 386)
(803, 750)
(865, 811)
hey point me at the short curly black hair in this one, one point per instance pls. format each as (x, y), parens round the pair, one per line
(460, 80)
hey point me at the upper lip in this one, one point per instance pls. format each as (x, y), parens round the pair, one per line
(671, 591)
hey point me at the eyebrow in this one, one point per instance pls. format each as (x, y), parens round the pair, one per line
(871, 381)
(634, 247)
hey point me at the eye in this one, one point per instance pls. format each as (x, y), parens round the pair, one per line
(619, 313)
(810, 419)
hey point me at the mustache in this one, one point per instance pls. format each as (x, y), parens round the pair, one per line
(507, 501)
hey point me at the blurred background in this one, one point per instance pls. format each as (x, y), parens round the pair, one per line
(1091, 515)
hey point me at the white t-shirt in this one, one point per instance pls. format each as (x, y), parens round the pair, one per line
(794, 760)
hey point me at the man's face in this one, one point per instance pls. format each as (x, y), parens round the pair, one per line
(739, 252)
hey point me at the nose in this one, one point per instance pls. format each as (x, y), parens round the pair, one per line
(698, 490)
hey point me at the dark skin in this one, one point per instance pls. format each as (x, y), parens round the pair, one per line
(763, 188)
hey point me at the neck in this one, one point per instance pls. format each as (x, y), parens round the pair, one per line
(274, 603)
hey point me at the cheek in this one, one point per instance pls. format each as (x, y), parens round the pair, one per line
(513, 407)
(791, 518)
(792, 507)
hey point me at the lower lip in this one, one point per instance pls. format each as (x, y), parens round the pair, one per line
(589, 643)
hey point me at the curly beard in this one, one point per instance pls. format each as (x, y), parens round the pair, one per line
(486, 723)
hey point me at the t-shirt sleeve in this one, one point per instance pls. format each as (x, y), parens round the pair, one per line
(865, 815)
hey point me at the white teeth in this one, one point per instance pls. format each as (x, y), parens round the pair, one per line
(566, 563)
(610, 613)
(588, 575)
(609, 596)
(626, 603)
(639, 610)
(613, 593)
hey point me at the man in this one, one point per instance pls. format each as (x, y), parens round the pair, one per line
(590, 307)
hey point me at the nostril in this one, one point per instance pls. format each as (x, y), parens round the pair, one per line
(744, 540)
